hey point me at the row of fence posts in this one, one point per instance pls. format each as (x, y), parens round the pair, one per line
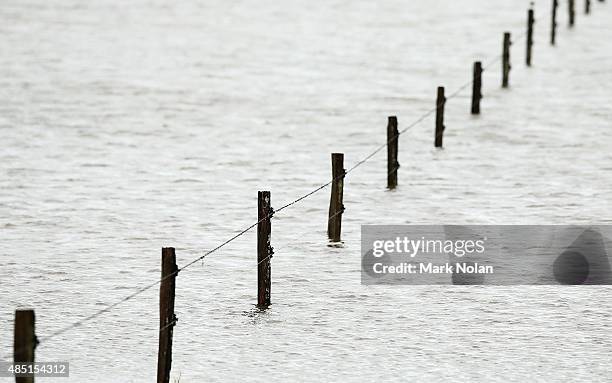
(25, 339)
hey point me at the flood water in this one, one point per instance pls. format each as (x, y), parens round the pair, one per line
(130, 126)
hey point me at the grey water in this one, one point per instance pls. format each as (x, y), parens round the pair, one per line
(130, 126)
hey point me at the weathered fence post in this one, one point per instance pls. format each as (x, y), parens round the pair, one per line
(336, 206)
(477, 88)
(24, 342)
(506, 61)
(530, 22)
(440, 103)
(571, 5)
(167, 319)
(587, 7)
(553, 30)
(392, 150)
(264, 249)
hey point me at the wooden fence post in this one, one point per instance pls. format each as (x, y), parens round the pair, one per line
(571, 5)
(477, 88)
(336, 206)
(440, 103)
(167, 319)
(506, 61)
(587, 7)
(24, 342)
(553, 30)
(392, 151)
(530, 22)
(264, 249)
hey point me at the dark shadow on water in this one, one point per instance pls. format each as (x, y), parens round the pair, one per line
(585, 261)
(454, 233)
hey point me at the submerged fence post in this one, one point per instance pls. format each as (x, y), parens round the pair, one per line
(571, 7)
(587, 7)
(477, 88)
(336, 206)
(440, 103)
(506, 61)
(553, 29)
(530, 22)
(167, 319)
(264, 249)
(392, 150)
(24, 342)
